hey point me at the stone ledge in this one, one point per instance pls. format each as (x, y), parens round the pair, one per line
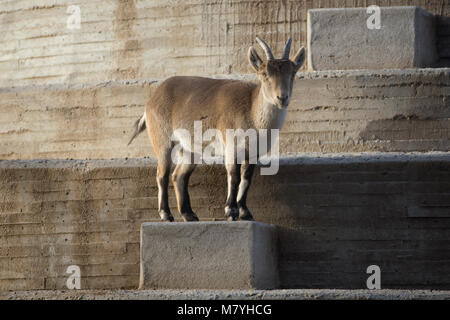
(286, 294)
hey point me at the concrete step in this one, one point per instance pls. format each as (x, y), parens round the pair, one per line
(336, 214)
(336, 111)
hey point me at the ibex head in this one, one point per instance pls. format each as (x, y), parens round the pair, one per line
(276, 75)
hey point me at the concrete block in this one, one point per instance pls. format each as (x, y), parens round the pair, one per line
(208, 255)
(339, 39)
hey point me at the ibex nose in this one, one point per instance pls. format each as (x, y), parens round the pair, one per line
(283, 99)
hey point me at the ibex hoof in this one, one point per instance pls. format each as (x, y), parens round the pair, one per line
(244, 214)
(189, 217)
(231, 213)
(166, 216)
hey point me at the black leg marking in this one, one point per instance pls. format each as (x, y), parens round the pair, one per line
(246, 179)
(233, 178)
(180, 179)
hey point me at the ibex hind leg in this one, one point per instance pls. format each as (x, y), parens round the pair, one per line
(180, 178)
(162, 179)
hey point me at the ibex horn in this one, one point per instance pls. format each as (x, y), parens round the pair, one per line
(287, 50)
(266, 48)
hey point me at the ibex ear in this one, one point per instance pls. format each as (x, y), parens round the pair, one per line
(299, 58)
(254, 59)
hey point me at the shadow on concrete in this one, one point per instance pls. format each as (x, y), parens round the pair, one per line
(443, 39)
(338, 217)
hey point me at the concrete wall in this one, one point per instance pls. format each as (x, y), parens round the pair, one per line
(336, 214)
(65, 94)
(122, 39)
(331, 111)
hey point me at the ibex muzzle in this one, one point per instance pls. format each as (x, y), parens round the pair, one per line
(220, 104)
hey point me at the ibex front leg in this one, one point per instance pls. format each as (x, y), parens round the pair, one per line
(246, 179)
(233, 179)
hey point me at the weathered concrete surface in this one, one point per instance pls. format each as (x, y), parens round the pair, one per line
(336, 215)
(208, 255)
(121, 39)
(348, 111)
(339, 39)
(290, 294)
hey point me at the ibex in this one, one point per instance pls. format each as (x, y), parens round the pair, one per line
(220, 104)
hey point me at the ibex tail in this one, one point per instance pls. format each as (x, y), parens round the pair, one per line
(139, 126)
